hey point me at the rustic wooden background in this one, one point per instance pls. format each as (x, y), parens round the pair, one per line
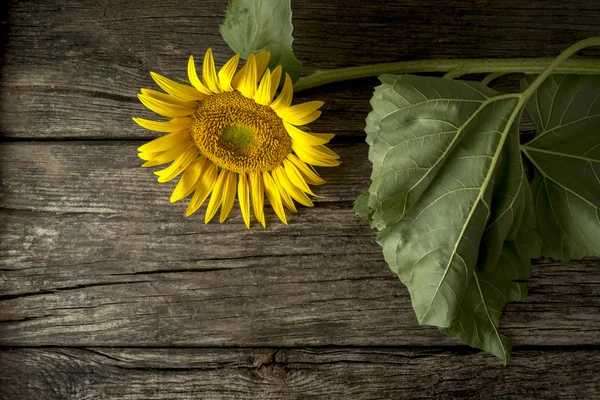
(108, 291)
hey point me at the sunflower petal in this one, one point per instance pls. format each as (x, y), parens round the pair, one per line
(244, 199)
(309, 175)
(296, 177)
(187, 183)
(193, 77)
(209, 73)
(204, 186)
(237, 78)
(307, 138)
(321, 152)
(275, 79)
(179, 165)
(263, 93)
(315, 155)
(227, 71)
(149, 155)
(286, 199)
(167, 98)
(292, 190)
(178, 90)
(259, 65)
(324, 152)
(228, 196)
(301, 114)
(247, 82)
(215, 198)
(163, 108)
(262, 60)
(165, 142)
(164, 157)
(176, 124)
(285, 97)
(257, 188)
(274, 197)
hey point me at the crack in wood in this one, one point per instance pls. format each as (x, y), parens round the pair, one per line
(65, 289)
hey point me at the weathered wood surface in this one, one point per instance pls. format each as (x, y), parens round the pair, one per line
(72, 68)
(92, 254)
(344, 373)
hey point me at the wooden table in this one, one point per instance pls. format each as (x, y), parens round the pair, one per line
(108, 291)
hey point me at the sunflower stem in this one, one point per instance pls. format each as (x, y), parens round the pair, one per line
(452, 68)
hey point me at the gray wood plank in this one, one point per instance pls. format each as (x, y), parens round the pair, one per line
(71, 68)
(92, 253)
(106, 178)
(340, 373)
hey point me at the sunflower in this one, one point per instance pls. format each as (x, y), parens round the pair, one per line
(226, 134)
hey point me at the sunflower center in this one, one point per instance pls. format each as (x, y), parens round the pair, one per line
(238, 134)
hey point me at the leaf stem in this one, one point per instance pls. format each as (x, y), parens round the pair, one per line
(493, 76)
(558, 62)
(457, 68)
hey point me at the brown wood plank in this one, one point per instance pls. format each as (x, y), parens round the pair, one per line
(92, 253)
(340, 373)
(71, 68)
(105, 177)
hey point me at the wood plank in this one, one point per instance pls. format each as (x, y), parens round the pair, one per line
(340, 373)
(92, 253)
(105, 177)
(71, 68)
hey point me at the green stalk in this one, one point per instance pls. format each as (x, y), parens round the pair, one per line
(454, 68)
(558, 62)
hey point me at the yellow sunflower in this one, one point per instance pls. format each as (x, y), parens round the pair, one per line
(226, 134)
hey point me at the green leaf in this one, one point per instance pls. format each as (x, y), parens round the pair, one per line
(566, 155)
(449, 196)
(488, 292)
(251, 26)
(361, 205)
(493, 286)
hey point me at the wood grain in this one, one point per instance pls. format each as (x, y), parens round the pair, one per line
(304, 373)
(71, 68)
(92, 253)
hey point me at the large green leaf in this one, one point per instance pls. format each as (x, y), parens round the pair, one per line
(489, 291)
(566, 154)
(252, 25)
(493, 286)
(449, 196)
